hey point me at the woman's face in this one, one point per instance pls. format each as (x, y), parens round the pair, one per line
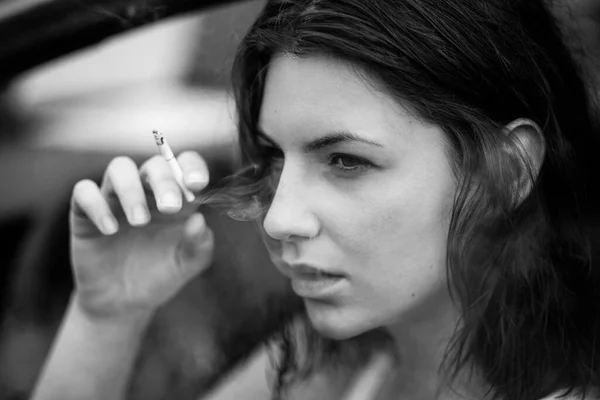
(365, 192)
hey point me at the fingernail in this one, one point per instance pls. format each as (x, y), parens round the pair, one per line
(196, 177)
(109, 225)
(170, 200)
(139, 215)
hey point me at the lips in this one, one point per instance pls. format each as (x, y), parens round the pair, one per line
(315, 283)
(306, 271)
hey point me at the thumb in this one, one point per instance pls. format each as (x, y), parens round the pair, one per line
(195, 250)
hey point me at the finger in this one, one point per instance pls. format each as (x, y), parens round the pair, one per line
(88, 200)
(162, 183)
(195, 170)
(122, 179)
(195, 251)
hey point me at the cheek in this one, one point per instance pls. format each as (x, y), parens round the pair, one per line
(400, 226)
(396, 248)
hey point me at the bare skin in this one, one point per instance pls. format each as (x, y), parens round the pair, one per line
(121, 275)
(108, 312)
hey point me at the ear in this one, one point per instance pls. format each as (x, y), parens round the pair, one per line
(527, 150)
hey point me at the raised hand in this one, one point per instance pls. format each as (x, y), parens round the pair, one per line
(135, 241)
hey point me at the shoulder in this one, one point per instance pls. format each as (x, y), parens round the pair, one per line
(247, 381)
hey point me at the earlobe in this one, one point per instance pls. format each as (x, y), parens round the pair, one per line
(527, 149)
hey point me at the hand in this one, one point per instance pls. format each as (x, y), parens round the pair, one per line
(134, 244)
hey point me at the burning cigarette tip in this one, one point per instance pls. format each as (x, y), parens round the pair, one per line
(158, 137)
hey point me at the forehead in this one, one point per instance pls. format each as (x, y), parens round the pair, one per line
(319, 93)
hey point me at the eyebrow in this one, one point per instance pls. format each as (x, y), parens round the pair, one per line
(329, 139)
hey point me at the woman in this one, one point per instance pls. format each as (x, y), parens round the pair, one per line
(427, 173)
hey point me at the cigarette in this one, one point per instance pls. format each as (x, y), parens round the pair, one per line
(167, 153)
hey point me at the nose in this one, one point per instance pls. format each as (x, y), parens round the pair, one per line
(289, 216)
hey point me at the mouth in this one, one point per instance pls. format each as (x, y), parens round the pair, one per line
(305, 271)
(314, 282)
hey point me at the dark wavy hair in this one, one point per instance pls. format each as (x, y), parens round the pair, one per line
(521, 270)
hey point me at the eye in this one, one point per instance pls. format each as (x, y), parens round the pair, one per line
(348, 163)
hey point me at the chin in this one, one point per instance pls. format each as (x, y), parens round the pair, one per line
(334, 322)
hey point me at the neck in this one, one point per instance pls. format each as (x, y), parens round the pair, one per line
(421, 341)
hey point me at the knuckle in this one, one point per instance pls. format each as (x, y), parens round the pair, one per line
(155, 167)
(208, 239)
(131, 193)
(162, 180)
(201, 221)
(206, 233)
(168, 185)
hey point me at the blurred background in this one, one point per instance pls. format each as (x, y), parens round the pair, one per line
(71, 99)
(64, 119)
